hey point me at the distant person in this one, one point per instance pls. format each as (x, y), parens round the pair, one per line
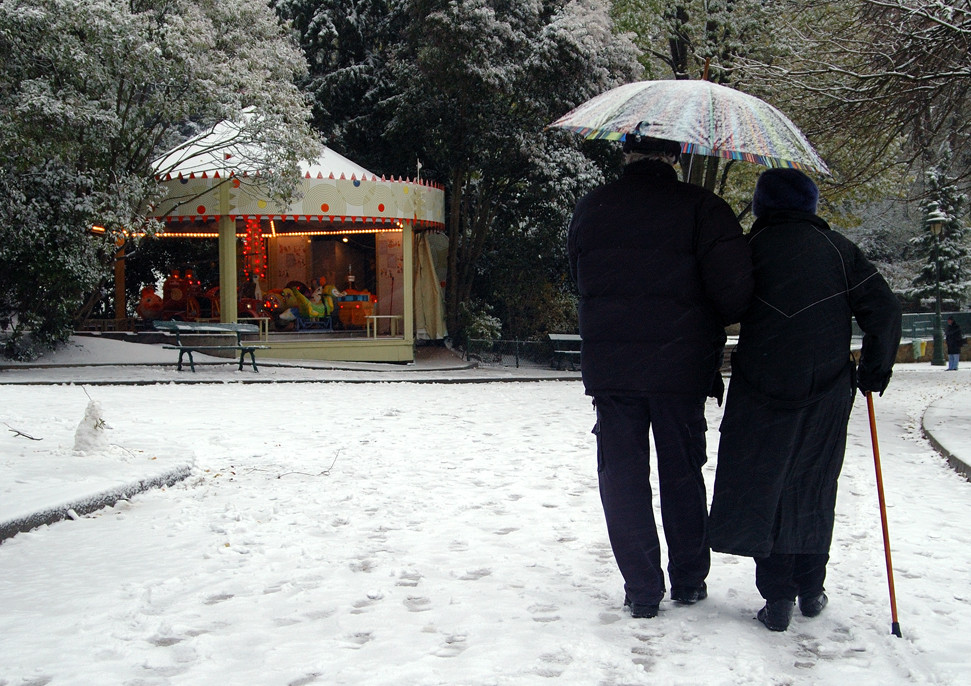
(955, 341)
(661, 267)
(793, 381)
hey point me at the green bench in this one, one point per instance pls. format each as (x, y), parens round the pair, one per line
(180, 329)
(566, 350)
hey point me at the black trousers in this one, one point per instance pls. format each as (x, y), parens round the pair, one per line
(623, 465)
(783, 576)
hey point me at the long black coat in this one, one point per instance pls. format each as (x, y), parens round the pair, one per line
(784, 430)
(661, 267)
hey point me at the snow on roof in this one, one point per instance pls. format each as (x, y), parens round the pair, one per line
(226, 149)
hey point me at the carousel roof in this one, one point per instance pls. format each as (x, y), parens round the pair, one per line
(227, 150)
(333, 189)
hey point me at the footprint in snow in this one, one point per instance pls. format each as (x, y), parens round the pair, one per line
(474, 574)
(544, 613)
(218, 598)
(453, 646)
(408, 579)
(355, 641)
(418, 604)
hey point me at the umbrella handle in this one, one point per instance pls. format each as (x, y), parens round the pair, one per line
(895, 625)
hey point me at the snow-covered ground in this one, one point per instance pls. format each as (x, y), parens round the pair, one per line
(396, 533)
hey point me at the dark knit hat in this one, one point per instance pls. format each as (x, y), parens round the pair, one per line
(646, 144)
(784, 189)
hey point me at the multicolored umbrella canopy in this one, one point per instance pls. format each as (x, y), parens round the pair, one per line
(706, 118)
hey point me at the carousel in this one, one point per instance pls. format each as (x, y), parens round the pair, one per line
(345, 271)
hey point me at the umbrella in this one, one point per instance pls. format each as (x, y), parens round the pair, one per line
(706, 118)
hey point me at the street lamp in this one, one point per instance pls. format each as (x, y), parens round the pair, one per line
(935, 221)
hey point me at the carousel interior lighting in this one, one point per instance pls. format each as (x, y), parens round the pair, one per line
(215, 234)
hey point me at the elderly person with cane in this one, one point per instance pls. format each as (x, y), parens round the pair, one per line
(793, 381)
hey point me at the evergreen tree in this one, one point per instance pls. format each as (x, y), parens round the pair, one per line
(92, 92)
(348, 45)
(467, 88)
(482, 78)
(947, 252)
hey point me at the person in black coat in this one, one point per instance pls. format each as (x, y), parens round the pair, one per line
(955, 341)
(793, 380)
(661, 267)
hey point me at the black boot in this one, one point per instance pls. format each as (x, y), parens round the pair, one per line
(689, 595)
(641, 610)
(776, 614)
(811, 606)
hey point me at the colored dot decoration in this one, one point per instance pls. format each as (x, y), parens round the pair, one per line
(201, 209)
(381, 207)
(325, 207)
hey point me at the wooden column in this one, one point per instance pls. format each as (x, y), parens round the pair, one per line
(408, 289)
(227, 257)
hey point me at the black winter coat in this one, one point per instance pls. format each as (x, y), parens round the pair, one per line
(661, 267)
(955, 338)
(783, 433)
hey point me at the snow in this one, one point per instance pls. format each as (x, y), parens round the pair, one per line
(229, 147)
(332, 532)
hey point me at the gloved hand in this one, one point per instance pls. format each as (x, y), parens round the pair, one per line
(869, 382)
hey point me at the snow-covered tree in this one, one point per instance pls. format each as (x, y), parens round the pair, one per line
(694, 39)
(466, 87)
(481, 79)
(347, 44)
(947, 252)
(681, 39)
(912, 63)
(878, 82)
(91, 92)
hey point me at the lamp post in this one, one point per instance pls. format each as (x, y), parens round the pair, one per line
(935, 221)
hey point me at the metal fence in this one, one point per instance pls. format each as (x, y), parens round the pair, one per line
(920, 325)
(509, 353)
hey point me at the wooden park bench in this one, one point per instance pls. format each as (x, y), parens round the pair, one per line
(566, 350)
(180, 328)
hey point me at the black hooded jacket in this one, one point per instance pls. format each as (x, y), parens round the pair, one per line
(810, 283)
(661, 267)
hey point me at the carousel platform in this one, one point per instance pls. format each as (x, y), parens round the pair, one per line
(344, 345)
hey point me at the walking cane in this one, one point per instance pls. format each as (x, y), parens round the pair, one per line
(895, 625)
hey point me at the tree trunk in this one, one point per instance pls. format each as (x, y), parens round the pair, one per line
(455, 244)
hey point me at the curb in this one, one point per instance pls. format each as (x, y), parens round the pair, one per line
(956, 463)
(86, 505)
(948, 412)
(189, 382)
